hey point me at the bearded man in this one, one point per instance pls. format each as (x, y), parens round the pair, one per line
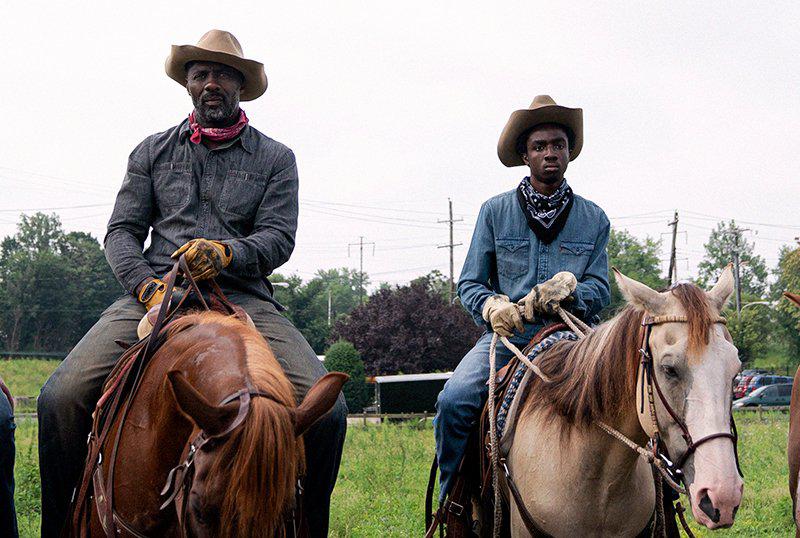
(540, 245)
(225, 195)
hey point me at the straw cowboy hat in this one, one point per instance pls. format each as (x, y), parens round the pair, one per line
(221, 47)
(542, 110)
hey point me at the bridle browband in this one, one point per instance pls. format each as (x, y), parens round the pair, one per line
(648, 381)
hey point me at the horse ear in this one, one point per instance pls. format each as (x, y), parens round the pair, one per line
(722, 290)
(792, 297)
(318, 401)
(640, 295)
(209, 418)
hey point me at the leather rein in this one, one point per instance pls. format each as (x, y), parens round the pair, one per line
(180, 478)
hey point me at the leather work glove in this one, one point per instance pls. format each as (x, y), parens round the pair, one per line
(206, 258)
(152, 293)
(547, 296)
(503, 315)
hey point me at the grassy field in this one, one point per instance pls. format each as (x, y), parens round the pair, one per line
(384, 471)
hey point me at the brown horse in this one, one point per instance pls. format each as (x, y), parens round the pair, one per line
(577, 480)
(793, 448)
(215, 394)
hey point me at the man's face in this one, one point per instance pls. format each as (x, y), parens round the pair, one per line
(215, 90)
(547, 153)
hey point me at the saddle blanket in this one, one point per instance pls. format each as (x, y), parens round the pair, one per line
(506, 415)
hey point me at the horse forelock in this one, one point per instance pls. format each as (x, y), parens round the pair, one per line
(699, 317)
(258, 462)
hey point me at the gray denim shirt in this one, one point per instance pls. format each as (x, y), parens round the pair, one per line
(244, 194)
(505, 257)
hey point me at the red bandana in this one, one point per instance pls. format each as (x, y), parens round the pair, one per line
(217, 134)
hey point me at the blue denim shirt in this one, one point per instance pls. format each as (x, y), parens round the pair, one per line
(244, 194)
(505, 257)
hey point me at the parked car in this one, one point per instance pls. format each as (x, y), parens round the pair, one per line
(765, 380)
(769, 395)
(745, 378)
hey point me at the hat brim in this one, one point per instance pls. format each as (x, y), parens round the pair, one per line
(522, 120)
(255, 79)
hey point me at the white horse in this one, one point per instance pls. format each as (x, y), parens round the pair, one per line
(577, 480)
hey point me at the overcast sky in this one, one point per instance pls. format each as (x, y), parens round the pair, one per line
(391, 108)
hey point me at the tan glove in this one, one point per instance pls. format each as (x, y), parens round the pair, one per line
(152, 293)
(206, 258)
(547, 296)
(503, 315)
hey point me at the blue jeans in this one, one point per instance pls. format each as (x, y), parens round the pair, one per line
(8, 516)
(461, 401)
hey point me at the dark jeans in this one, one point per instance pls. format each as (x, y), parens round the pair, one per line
(8, 516)
(69, 396)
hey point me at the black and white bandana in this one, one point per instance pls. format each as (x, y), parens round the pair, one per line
(546, 215)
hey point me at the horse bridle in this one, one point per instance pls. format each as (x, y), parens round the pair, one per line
(181, 477)
(647, 382)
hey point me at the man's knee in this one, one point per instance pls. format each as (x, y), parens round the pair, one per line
(58, 395)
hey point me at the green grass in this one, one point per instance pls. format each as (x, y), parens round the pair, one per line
(26, 376)
(384, 471)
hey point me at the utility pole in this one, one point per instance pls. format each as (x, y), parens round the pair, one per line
(736, 232)
(329, 305)
(451, 246)
(673, 266)
(361, 244)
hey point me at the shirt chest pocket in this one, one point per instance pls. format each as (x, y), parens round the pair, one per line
(574, 256)
(242, 193)
(513, 258)
(172, 184)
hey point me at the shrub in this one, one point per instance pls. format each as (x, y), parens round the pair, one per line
(343, 357)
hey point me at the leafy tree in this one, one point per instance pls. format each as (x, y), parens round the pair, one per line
(343, 357)
(719, 253)
(307, 303)
(750, 332)
(53, 286)
(635, 258)
(408, 329)
(787, 314)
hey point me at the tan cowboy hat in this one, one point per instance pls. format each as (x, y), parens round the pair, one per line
(542, 110)
(221, 47)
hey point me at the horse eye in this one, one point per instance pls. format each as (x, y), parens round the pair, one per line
(670, 371)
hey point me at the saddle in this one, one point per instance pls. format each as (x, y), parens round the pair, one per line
(469, 508)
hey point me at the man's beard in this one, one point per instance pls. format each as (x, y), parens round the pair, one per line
(220, 116)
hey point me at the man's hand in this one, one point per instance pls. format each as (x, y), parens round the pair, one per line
(151, 292)
(547, 296)
(206, 258)
(503, 315)
(7, 392)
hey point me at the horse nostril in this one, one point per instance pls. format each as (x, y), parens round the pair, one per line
(708, 508)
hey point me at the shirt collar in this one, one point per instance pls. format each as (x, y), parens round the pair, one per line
(245, 137)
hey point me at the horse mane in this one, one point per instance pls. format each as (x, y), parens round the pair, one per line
(594, 378)
(259, 461)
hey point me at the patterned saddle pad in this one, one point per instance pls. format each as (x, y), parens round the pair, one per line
(506, 415)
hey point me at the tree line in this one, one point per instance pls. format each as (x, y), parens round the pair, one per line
(54, 285)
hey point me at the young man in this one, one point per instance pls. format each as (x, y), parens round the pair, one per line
(539, 244)
(225, 195)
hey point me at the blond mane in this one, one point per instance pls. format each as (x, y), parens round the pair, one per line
(594, 378)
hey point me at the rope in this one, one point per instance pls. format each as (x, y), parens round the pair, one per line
(493, 448)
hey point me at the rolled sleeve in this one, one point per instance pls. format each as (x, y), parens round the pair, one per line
(593, 293)
(474, 285)
(130, 222)
(272, 240)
